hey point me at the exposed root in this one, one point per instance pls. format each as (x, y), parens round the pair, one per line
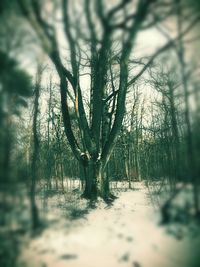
(108, 198)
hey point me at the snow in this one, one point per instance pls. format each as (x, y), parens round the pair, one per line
(124, 234)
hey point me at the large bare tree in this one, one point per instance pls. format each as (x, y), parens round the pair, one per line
(100, 41)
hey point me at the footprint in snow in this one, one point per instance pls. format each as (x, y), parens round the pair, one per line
(136, 264)
(68, 257)
(125, 257)
(120, 235)
(129, 239)
(44, 251)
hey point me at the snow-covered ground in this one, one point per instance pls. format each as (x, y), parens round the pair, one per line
(124, 234)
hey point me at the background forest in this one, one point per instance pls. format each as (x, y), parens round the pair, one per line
(97, 98)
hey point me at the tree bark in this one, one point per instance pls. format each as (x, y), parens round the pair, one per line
(34, 209)
(96, 181)
(189, 135)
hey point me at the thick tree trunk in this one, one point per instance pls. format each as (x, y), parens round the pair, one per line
(96, 181)
(189, 138)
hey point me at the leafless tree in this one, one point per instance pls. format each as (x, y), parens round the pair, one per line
(100, 44)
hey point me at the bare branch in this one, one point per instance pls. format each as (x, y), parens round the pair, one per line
(171, 43)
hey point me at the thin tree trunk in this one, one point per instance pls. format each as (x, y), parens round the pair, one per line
(34, 209)
(49, 160)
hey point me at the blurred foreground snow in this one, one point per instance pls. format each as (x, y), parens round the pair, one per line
(124, 234)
